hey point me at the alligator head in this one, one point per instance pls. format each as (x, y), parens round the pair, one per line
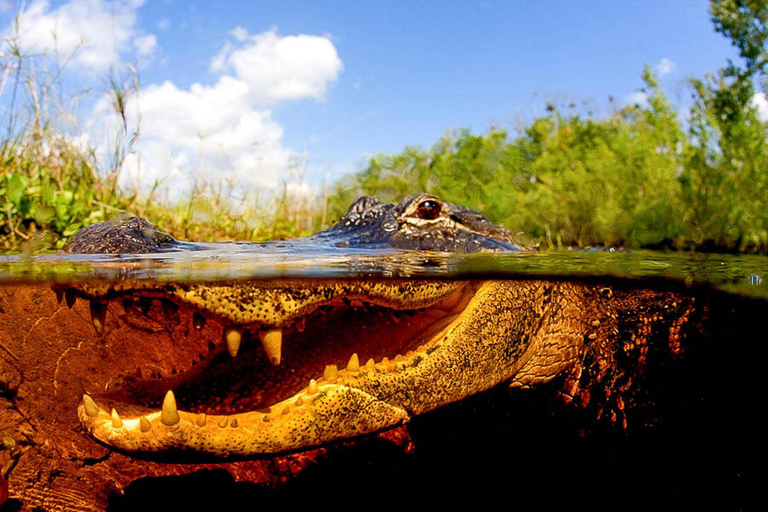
(365, 355)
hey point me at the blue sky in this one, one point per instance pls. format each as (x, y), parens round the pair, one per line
(247, 90)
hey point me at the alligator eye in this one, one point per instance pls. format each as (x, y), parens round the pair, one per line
(428, 210)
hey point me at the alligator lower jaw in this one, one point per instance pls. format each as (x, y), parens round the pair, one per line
(340, 402)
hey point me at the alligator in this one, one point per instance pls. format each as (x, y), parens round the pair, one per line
(106, 382)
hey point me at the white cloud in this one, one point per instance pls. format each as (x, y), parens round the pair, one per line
(760, 103)
(665, 67)
(164, 24)
(93, 33)
(205, 133)
(280, 68)
(220, 132)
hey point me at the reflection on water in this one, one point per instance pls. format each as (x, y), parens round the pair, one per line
(740, 274)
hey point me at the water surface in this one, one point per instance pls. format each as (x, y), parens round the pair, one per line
(741, 274)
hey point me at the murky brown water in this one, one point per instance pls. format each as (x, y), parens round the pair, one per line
(698, 439)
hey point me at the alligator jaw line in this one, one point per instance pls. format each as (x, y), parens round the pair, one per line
(344, 402)
(323, 412)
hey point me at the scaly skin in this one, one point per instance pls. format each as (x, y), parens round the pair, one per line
(524, 332)
(520, 332)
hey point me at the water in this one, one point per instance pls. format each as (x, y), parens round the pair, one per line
(744, 275)
(697, 437)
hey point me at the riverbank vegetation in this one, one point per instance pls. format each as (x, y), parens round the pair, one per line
(653, 175)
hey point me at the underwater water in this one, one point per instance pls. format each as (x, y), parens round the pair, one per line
(698, 439)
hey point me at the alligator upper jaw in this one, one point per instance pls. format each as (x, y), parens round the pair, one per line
(340, 376)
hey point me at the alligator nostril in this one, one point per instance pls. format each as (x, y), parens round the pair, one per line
(428, 210)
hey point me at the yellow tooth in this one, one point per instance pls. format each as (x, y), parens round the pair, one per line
(354, 363)
(312, 389)
(144, 424)
(233, 337)
(98, 315)
(223, 422)
(370, 364)
(331, 373)
(91, 409)
(201, 420)
(272, 341)
(116, 421)
(170, 415)
(299, 401)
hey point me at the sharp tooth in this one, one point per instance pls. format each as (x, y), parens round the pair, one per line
(370, 364)
(170, 415)
(354, 363)
(300, 324)
(201, 420)
(198, 321)
(331, 373)
(98, 315)
(59, 294)
(144, 424)
(116, 421)
(233, 338)
(223, 422)
(91, 409)
(312, 389)
(299, 401)
(272, 341)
